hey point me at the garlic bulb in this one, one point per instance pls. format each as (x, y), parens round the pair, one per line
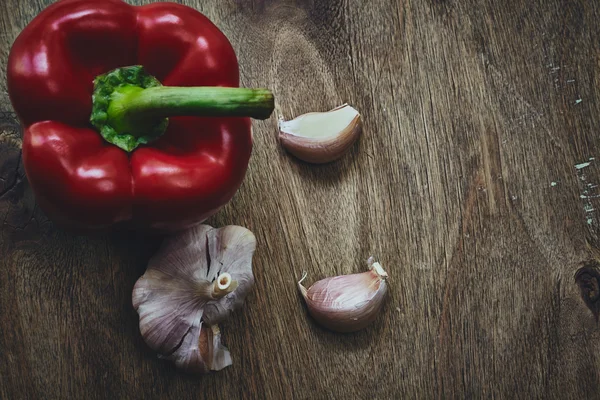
(195, 281)
(321, 137)
(347, 303)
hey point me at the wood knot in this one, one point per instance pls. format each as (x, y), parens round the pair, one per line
(10, 150)
(588, 279)
(10, 130)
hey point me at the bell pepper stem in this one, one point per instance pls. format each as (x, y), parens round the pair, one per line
(134, 109)
(130, 107)
(169, 101)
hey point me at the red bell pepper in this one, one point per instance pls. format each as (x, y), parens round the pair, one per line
(84, 116)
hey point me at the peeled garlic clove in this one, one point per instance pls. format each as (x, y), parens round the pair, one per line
(321, 137)
(347, 303)
(196, 280)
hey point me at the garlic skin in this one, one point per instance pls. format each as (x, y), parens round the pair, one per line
(321, 137)
(195, 281)
(347, 303)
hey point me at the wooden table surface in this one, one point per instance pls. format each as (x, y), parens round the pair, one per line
(475, 185)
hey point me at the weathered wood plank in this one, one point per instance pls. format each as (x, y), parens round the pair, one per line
(471, 185)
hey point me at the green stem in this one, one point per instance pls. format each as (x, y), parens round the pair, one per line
(167, 101)
(131, 107)
(134, 109)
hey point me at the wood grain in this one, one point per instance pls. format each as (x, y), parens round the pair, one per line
(468, 185)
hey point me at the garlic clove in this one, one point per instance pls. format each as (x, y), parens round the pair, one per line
(201, 351)
(321, 137)
(347, 303)
(233, 249)
(195, 280)
(220, 356)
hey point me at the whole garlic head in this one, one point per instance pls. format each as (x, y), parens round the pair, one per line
(195, 281)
